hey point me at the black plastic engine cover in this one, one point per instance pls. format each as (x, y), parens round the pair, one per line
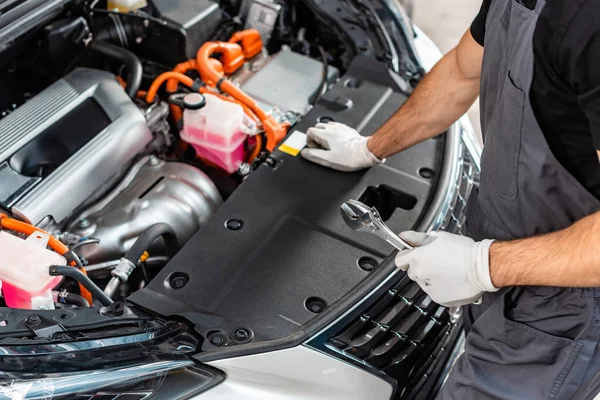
(290, 242)
(194, 20)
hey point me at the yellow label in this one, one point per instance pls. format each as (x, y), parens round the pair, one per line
(294, 144)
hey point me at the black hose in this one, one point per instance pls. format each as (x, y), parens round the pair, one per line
(146, 239)
(61, 270)
(72, 298)
(133, 64)
(84, 242)
(324, 77)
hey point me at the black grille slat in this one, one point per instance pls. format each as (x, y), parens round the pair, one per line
(428, 332)
(411, 323)
(427, 305)
(441, 315)
(382, 305)
(425, 371)
(410, 291)
(395, 314)
(362, 345)
(400, 334)
(404, 363)
(346, 336)
(385, 353)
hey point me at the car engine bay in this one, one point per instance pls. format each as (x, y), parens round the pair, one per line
(94, 161)
(150, 168)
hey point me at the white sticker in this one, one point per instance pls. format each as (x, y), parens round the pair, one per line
(294, 144)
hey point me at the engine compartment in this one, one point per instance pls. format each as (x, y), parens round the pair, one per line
(156, 149)
(154, 205)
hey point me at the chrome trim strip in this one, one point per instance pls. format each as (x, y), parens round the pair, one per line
(441, 205)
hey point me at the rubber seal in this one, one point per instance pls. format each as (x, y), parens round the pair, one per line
(197, 85)
(220, 82)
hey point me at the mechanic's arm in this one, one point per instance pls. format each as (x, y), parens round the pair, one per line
(568, 258)
(444, 95)
(455, 270)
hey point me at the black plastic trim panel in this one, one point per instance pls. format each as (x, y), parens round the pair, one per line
(293, 244)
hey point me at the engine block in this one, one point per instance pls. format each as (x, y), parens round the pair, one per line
(66, 143)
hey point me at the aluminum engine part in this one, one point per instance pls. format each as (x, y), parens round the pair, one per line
(287, 81)
(261, 15)
(66, 143)
(153, 191)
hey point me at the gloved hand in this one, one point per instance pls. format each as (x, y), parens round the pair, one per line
(453, 270)
(338, 146)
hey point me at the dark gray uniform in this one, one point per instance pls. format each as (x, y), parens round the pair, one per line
(527, 342)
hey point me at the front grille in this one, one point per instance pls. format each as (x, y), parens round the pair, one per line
(467, 179)
(404, 335)
(400, 333)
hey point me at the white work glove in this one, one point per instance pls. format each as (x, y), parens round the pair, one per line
(453, 270)
(338, 146)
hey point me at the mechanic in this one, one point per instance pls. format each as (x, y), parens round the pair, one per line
(531, 251)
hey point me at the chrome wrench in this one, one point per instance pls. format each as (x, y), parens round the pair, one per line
(362, 218)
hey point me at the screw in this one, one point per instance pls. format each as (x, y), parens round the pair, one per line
(242, 335)
(84, 223)
(217, 340)
(315, 305)
(426, 173)
(178, 281)
(244, 169)
(33, 320)
(367, 264)
(234, 224)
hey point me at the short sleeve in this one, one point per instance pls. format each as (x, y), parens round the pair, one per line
(578, 60)
(478, 25)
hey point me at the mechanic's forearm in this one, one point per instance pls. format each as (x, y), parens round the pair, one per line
(443, 96)
(568, 258)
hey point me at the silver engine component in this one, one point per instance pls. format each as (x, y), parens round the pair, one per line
(66, 143)
(261, 15)
(287, 81)
(153, 191)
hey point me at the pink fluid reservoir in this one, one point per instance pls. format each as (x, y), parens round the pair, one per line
(216, 131)
(24, 266)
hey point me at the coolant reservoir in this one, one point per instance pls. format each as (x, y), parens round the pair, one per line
(216, 130)
(24, 265)
(126, 5)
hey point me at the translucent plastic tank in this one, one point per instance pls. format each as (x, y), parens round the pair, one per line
(126, 5)
(24, 264)
(216, 131)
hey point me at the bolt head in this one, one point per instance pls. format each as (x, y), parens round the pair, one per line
(242, 335)
(217, 340)
(153, 161)
(84, 223)
(367, 264)
(234, 224)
